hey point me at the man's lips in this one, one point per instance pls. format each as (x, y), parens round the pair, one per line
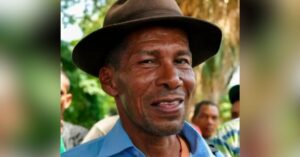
(168, 104)
(210, 129)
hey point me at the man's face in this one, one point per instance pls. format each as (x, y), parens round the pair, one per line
(155, 80)
(65, 97)
(235, 110)
(207, 120)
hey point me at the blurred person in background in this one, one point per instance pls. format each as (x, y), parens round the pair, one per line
(234, 97)
(71, 135)
(227, 139)
(206, 117)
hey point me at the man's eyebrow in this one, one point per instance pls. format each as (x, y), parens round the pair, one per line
(149, 52)
(145, 52)
(184, 53)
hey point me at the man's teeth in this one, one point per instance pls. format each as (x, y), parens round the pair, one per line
(175, 102)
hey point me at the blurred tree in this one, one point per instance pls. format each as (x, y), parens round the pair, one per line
(90, 103)
(215, 74)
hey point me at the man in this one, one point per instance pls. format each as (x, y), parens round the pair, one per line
(227, 139)
(206, 117)
(234, 97)
(143, 57)
(71, 134)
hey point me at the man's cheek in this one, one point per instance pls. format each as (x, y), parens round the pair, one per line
(191, 84)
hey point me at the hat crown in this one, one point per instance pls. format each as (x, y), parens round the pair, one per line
(130, 10)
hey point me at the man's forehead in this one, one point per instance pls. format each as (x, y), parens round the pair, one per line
(147, 38)
(208, 107)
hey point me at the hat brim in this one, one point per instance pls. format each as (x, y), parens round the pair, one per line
(91, 52)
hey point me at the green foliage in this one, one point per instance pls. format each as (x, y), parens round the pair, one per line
(89, 103)
(225, 112)
(225, 109)
(92, 17)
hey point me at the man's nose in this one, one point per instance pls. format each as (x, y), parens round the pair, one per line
(169, 77)
(210, 121)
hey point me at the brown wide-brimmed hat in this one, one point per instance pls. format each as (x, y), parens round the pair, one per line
(126, 16)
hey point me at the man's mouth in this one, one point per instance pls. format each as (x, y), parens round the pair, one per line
(210, 129)
(168, 105)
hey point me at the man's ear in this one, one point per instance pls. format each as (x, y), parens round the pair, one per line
(107, 81)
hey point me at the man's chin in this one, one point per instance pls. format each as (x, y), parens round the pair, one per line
(165, 129)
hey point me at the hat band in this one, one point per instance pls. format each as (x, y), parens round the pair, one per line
(144, 15)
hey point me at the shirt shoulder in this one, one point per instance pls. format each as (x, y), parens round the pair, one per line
(89, 149)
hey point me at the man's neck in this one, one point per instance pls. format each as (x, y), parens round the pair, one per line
(158, 146)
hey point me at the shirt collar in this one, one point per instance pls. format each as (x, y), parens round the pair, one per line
(118, 135)
(115, 141)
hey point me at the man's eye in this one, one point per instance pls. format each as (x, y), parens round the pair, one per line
(182, 61)
(146, 61)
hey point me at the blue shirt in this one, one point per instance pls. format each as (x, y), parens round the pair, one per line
(118, 144)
